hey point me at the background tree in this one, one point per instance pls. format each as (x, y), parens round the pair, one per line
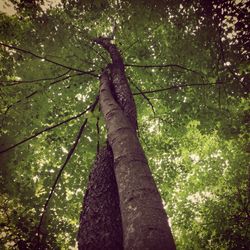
(187, 66)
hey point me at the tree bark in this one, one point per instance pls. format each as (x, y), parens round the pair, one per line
(125, 210)
(100, 220)
(144, 221)
(119, 87)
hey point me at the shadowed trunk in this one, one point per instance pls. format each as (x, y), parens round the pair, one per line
(100, 220)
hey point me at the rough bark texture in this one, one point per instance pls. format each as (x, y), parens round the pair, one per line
(119, 82)
(144, 220)
(100, 220)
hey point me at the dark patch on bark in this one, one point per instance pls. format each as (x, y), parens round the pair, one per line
(100, 220)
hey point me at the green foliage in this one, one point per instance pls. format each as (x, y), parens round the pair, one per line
(196, 141)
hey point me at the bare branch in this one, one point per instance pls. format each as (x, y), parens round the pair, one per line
(131, 45)
(97, 52)
(138, 40)
(51, 127)
(163, 66)
(37, 91)
(48, 60)
(16, 82)
(98, 135)
(143, 94)
(177, 87)
(71, 151)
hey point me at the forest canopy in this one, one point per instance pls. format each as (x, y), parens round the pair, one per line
(187, 63)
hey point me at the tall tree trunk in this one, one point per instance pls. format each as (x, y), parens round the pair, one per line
(100, 220)
(144, 221)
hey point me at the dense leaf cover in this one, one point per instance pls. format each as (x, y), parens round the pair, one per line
(193, 113)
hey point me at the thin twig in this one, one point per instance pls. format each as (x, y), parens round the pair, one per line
(48, 60)
(131, 45)
(162, 66)
(219, 97)
(138, 40)
(98, 135)
(16, 82)
(143, 94)
(71, 151)
(50, 127)
(37, 91)
(97, 52)
(176, 87)
(58, 177)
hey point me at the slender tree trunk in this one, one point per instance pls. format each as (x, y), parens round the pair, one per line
(144, 221)
(100, 220)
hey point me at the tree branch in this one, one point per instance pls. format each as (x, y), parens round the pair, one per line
(48, 60)
(37, 91)
(71, 151)
(143, 94)
(16, 82)
(176, 87)
(96, 51)
(138, 40)
(162, 66)
(51, 127)
(98, 135)
(58, 177)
